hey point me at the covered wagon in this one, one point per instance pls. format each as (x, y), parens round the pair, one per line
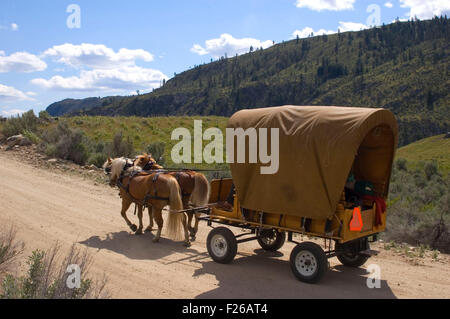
(332, 182)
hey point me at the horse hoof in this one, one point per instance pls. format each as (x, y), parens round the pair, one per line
(133, 227)
(187, 244)
(139, 232)
(155, 240)
(149, 229)
(193, 238)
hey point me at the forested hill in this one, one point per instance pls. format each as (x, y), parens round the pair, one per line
(403, 66)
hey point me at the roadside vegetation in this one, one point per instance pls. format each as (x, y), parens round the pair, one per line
(419, 206)
(46, 276)
(90, 140)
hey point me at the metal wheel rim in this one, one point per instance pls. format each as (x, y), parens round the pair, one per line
(306, 263)
(269, 240)
(219, 245)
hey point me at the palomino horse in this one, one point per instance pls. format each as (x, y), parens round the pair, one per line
(153, 189)
(194, 187)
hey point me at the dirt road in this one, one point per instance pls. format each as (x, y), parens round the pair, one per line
(46, 206)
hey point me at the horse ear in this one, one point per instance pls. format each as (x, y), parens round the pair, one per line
(109, 160)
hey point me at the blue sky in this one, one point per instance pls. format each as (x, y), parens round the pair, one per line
(123, 46)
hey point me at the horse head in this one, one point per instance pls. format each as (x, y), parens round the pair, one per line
(114, 168)
(146, 162)
(107, 166)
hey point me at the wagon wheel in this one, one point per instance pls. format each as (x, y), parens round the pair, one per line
(308, 262)
(348, 258)
(271, 239)
(222, 245)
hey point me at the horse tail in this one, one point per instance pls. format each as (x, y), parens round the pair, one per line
(200, 193)
(175, 220)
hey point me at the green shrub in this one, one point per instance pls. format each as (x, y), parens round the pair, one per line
(97, 159)
(119, 146)
(400, 164)
(18, 124)
(430, 169)
(44, 117)
(66, 143)
(32, 136)
(157, 151)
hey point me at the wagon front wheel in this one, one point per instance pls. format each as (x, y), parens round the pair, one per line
(222, 245)
(308, 262)
(271, 239)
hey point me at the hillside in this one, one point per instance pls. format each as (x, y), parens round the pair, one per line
(431, 148)
(70, 106)
(403, 66)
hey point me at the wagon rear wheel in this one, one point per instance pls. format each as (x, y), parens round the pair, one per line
(222, 245)
(308, 262)
(271, 239)
(349, 258)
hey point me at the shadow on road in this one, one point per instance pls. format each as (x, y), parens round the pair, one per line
(264, 276)
(137, 247)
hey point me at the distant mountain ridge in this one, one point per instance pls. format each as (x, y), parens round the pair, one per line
(73, 106)
(402, 66)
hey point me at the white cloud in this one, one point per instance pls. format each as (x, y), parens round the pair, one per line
(101, 69)
(426, 9)
(14, 27)
(96, 56)
(119, 79)
(306, 32)
(10, 94)
(21, 62)
(319, 5)
(12, 112)
(351, 26)
(388, 4)
(343, 27)
(399, 20)
(229, 45)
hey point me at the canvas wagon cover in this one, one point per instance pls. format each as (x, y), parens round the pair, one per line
(317, 148)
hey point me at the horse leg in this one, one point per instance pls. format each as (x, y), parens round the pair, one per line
(125, 205)
(159, 221)
(150, 215)
(195, 229)
(187, 242)
(189, 223)
(139, 230)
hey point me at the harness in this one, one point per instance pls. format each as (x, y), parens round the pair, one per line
(149, 167)
(145, 202)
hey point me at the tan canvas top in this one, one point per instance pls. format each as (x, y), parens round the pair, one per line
(318, 146)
